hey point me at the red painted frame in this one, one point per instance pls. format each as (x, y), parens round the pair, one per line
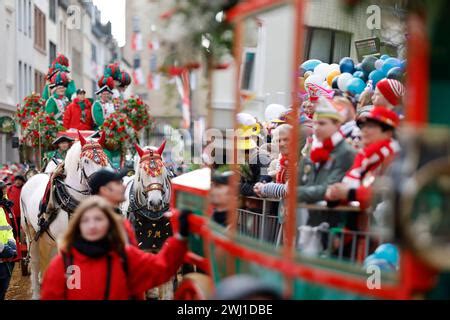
(415, 276)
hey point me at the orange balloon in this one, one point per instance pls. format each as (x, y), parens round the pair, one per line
(330, 77)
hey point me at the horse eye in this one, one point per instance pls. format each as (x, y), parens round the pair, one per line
(86, 161)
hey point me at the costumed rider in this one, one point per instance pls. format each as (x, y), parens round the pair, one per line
(78, 115)
(63, 144)
(113, 70)
(58, 102)
(60, 64)
(103, 107)
(125, 81)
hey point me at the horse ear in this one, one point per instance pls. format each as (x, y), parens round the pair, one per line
(139, 150)
(102, 139)
(161, 148)
(82, 139)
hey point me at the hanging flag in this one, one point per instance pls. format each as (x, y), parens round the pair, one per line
(183, 88)
(136, 41)
(138, 75)
(153, 63)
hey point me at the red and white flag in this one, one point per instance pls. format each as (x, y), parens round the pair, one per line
(183, 87)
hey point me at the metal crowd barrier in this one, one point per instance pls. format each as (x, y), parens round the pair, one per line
(338, 243)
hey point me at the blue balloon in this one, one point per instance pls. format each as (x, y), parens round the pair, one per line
(309, 65)
(384, 57)
(361, 75)
(368, 64)
(389, 64)
(376, 76)
(395, 73)
(347, 65)
(388, 252)
(356, 86)
(403, 65)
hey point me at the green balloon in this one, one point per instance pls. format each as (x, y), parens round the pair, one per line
(368, 64)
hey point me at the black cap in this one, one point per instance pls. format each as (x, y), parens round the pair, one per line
(62, 138)
(81, 91)
(20, 177)
(103, 177)
(222, 178)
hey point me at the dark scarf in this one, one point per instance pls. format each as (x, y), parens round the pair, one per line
(92, 249)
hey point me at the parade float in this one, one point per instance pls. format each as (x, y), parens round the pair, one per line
(410, 254)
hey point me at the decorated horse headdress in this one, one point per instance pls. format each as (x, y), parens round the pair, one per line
(151, 160)
(93, 150)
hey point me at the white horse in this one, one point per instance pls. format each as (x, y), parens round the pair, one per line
(83, 159)
(147, 199)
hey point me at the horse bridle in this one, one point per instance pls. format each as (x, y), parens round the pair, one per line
(96, 158)
(155, 186)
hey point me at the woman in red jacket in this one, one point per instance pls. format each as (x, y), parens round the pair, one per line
(78, 114)
(96, 263)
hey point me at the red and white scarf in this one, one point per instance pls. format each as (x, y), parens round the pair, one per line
(320, 151)
(369, 159)
(282, 171)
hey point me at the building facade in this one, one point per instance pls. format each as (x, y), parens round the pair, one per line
(34, 32)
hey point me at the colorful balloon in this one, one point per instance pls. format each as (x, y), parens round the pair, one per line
(384, 57)
(379, 64)
(309, 65)
(368, 64)
(315, 79)
(335, 67)
(395, 73)
(388, 252)
(322, 70)
(307, 74)
(356, 86)
(376, 76)
(334, 84)
(343, 81)
(361, 75)
(347, 65)
(389, 64)
(330, 77)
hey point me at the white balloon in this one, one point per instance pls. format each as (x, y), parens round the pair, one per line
(315, 79)
(334, 67)
(343, 81)
(274, 111)
(379, 64)
(325, 85)
(322, 70)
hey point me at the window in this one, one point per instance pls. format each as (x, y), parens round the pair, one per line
(40, 37)
(327, 45)
(25, 80)
(19, 16)
(29, 19)
(94, 53)
(247, 82)
(39, 81)
(20, 86)
(52, 11)
(25, 18)
(52, 52)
